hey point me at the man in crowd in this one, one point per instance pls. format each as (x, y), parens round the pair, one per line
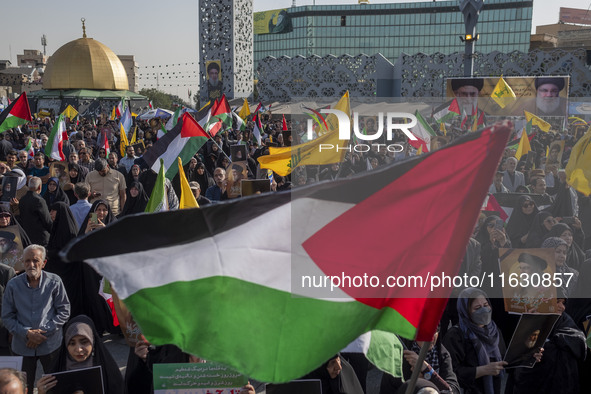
(196, 189)
(11, 159)
(129, 158)
(81, 208)
(217, 192)
(34, 309)
(39, 170)
(86, 160)
(34, 214)
(107, 184)
(497, 186)
(12, 382)
(511, 178)
(23, 161)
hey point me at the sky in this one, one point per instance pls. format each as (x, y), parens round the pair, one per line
(157, 36)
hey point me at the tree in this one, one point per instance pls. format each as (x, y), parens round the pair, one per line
(162, 99)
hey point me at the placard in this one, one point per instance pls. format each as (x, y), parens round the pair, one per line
(200, 378)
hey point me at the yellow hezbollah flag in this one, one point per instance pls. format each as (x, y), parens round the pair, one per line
(284, 160)
(124, 142)
(524, 146)
(187, 199)
(113, 114)
(245, 110)
(70, 112)
(502, 93)
(541, 123)
(578, 169)
(133, 136)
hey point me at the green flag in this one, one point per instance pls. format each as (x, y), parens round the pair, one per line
(158, 201)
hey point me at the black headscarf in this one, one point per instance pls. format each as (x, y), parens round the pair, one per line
(108, 219)
(538, 230)
(482, 235)
(520, 223)
(575, 255)
(129, 178)
(58, 195)
(4, 208)
(204, 180)
(135, 204)
(112, 380)
(346, 381)
(74, 180)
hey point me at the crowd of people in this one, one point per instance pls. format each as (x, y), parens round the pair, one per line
(52, 311)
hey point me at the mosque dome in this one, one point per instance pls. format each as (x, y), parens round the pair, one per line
(85, 64)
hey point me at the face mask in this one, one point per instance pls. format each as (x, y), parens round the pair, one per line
(482, 316)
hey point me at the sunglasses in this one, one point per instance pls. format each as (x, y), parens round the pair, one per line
(528, 204)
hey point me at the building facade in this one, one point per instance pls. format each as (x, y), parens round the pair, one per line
(390, 29)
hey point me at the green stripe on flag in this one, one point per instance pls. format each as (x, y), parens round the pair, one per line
(158, 200)
(248, 303)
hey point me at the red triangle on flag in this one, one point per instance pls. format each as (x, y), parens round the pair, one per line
(191, 128)
(393, 251)
(284, 127)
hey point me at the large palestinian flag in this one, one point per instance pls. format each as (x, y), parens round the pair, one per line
(16, 114)
(235, 282)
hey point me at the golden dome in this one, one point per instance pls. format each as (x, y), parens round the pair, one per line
(85, 64)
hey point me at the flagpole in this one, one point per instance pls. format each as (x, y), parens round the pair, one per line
(417, 369)
(213, 140)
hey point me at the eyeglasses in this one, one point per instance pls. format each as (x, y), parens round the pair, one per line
(4, 215)
(528, 204)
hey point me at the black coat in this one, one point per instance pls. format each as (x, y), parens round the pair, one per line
(465, 360)
(34, 218)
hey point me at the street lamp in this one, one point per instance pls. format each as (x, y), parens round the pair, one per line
(471, 10)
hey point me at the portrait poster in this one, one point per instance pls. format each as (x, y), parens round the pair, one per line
(235, 173)
(11, 248)
(9, 185)
(213, 69)
(58, 169)
(528, 280)
(238, 152)
(139, 148)
(255, 186)
(199, 378)
(544, 96)
(86, 380)
(555, 151)
(530, 335)
(131, 331)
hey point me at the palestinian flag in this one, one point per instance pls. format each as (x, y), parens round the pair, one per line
(444, 113)
(58, 135)
(174, 118)
(257, 306)
(16, 114)
(221, 117)
(257, 130)
(184, 140)
(240, 125)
